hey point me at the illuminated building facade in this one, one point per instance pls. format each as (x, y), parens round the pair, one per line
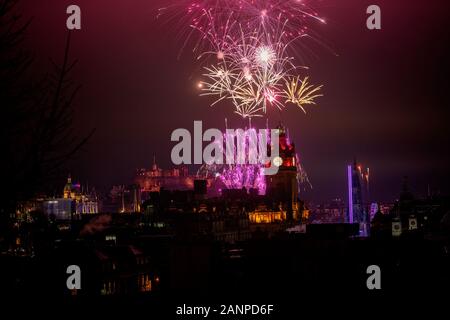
(155, 179)
(60, 208)
(264, 215)
(358, 193)
(74, 202)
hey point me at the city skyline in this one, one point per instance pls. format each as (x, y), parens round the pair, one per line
(166, 156)
(369, 110)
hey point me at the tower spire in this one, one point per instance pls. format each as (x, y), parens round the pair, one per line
(154, 166)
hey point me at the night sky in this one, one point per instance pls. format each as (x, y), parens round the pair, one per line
(386, 92)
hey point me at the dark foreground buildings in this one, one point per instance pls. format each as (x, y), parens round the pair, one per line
(183, 246)
(240, 247)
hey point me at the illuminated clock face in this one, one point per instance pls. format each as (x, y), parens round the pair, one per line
(277, 161)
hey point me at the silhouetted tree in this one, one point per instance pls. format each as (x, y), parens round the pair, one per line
(37, 137)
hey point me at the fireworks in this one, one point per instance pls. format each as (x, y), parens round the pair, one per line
(265, 56)
(214, 16)
(243, 174)
(240, 174)
(303, 94)
(247, 49)
(235, 176)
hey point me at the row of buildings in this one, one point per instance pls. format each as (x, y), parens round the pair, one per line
(175, 190)
(165, 233)
(73, 202)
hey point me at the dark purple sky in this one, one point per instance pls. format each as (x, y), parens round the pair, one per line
(386, 92)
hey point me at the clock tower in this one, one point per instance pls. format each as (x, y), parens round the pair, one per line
(282, 187)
